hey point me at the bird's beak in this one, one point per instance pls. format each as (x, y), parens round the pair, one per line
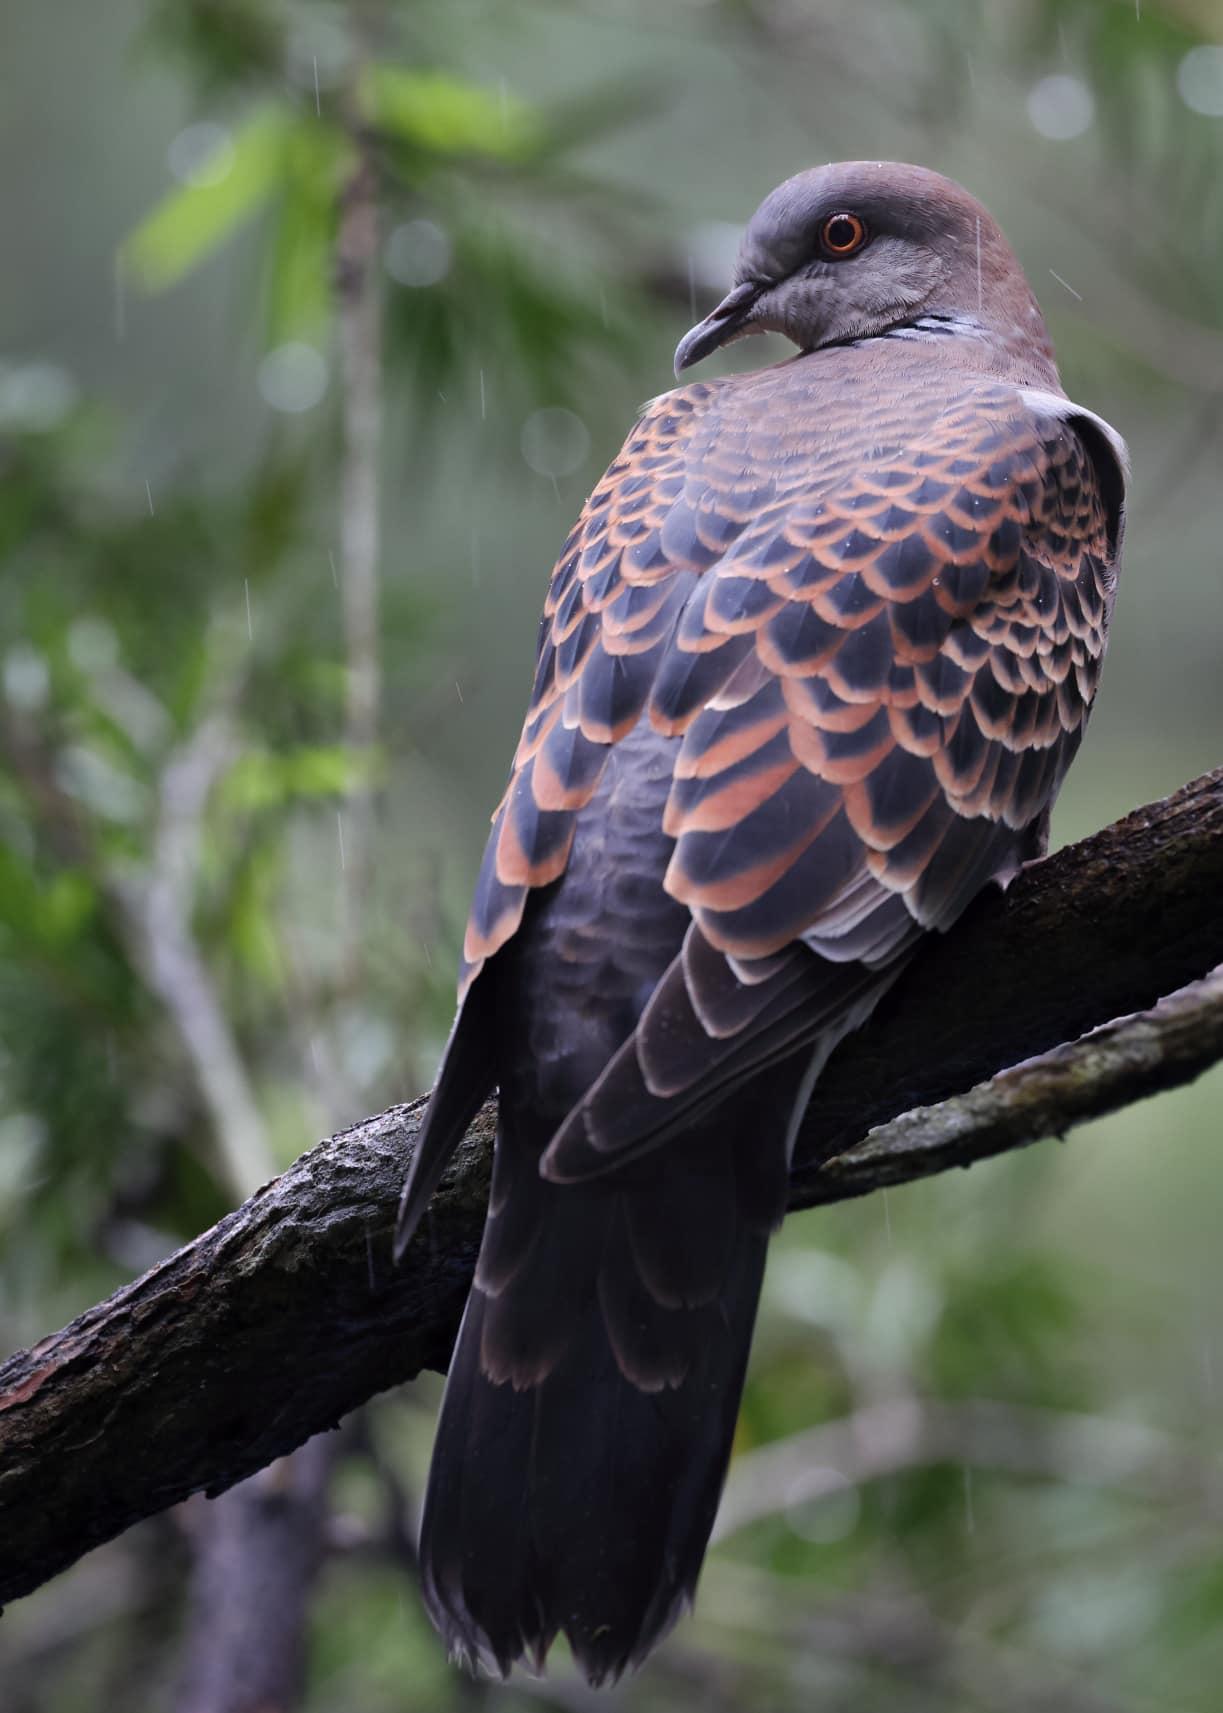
(730, 320)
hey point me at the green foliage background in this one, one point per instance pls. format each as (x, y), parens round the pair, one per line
(1025, 1501)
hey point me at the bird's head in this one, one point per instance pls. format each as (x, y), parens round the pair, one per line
(857, 248)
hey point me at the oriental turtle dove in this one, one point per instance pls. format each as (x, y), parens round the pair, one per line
(813, 663)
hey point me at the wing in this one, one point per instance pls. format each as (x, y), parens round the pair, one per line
(893, 678)
(877, 690)
(873, 633)
(623, 576)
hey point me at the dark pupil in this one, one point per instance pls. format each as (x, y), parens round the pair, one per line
(841, 234)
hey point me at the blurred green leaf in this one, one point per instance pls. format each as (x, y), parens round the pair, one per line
(219, 43)
(194, 219)
(261, 780)
(1005, 1329)
(66, 906)
(300, 263)
(446, 115)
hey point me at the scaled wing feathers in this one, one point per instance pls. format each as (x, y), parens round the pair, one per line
(873, 641)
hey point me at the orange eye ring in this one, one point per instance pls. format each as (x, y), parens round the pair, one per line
(842, 235)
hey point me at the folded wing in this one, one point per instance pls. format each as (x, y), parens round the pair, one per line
(873, 649)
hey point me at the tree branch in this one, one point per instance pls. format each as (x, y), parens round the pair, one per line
(1101, 930)
(157, 909)
(272, 1325)
(1109, 1067)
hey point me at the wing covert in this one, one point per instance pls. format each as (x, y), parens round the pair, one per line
(909, 661)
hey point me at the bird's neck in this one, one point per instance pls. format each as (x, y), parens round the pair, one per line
(1000, 346)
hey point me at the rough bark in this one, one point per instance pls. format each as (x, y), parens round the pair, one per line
(269, 1327)
(1120, 1062)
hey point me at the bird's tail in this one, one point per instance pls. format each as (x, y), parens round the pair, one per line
(592, 1399)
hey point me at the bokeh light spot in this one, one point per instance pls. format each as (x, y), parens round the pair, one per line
(292, 378)
(1199, 79)
(418, 253)
(1061, 107)
(27, 682)
(35, 397)
(555, 442)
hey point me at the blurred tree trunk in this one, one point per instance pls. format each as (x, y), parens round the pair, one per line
(258, 1549)
(359, 326)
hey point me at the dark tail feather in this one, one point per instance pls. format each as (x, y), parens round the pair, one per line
(464, 1080)
(592, 1400)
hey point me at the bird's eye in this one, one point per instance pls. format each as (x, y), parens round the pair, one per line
(842, 235)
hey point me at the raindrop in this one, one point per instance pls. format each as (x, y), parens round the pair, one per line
(418, 253)
(35, 397)
(555, 442)
(292, 378)
(318, 52)
(201, 155)
(120, 302)
(1061, 107)
(1067, 285)
(93, 645)
(1199, 78)
(27, 682)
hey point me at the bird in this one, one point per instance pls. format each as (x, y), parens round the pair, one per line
(812, 666)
